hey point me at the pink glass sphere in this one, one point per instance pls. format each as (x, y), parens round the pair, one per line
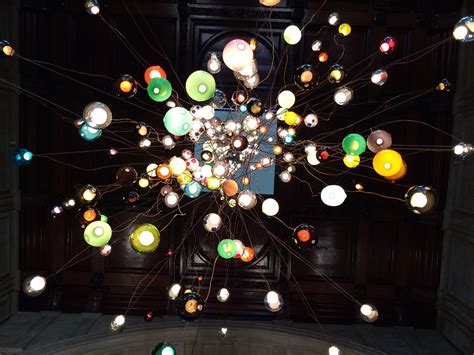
(237, 54)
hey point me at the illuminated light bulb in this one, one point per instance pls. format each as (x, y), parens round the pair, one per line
(273, 301)
(223, 332)
(6, 48)
(316, 45)
(237, 54)
(34, 285)
(463, 149)
(151, 169)
(312, 158)
(170, 103)
(288, 157)
(292, 35)
(69, 203)
(270, 207)
(345, 29)
(87, 194)
(333, 19)
(336, 74)
(369, 313)
(421, 199)
(143, 182)
(359, 187)
(220, 169)
(168, 142)
(92, 7)
(388, 45)
(171, 199)
(464, 29)
(247, 199)
(23, 156)
(223, 295)
(118, 322)
(173, 291)
(153, 72)
(144, 143)
(334, 350)
(177, 166)
(379, 77)
(269, 115)
(343, 96)
(214, 64)
(285, 176)
(277, 150)
(351, 160)
(245, 180)
(212, 222)
(323, 57)
(146, 238)
(286, 99)
(333, 195)
(97, 115)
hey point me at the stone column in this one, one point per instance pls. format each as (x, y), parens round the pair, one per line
(456, 291)
(9, 194)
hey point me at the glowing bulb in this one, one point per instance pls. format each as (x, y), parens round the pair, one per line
(334, 350)
(119, 320)
(270, 207)
(146, 238)
(38, 283)
(292, 35)
(173, 291)
(223, 295)
(418, 200)
(333, 19)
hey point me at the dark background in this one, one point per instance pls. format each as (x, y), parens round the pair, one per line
(374, 248)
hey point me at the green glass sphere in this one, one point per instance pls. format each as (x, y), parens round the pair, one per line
(354, 144)
(145, 238)
(159, 89)
(178, 121)
(227, 248)
(201, 86)
(98, 233)
(88, 133)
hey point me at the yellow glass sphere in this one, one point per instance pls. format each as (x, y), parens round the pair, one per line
(213, 183)
(185, 178)
(387, 162)
(345, 29)
(277, 150)
(290, 118)
(351, 160)
(245, 180)
(400, 175)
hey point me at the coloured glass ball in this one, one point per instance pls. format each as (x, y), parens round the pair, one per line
(286, 99)
(240, 248)
(247, 255)
(6, 48)
(305, 77)
(88, 195)
(379, 77)
(178, 121)
(153, 72)
(387, 162)
(230, 188)
(421, 199)
(354, 144)
(379, 140)
(126, 175)
(239, 97)
(23, 156)
(273, 301)
(34, 285)
(219, 100)
(159, 89)
(292, 34)
(184, 178)
(213, 183)
(311, 120)
(388, 45)
(193, 189)
(177, 166)
(269, 2)
(164, 349)
(88, 133)
(247, 200)
(125, 86)
(333, 195)
(226, 248)
(399, 175)
(351, 160)
(369, 313)
(323, 154)
(345, 29)
(290, 118)
(464, 29)
(171, 199)
(207, 156)
(212, 222)
(255, 107)
(97, 115)
(98, 233)
(323, 57)
(237, 54)
(343, 96)
(189, 305)
(145, 238)
(304, 236)
(316, 45)
(201, 86)
(239, 143)
(336, 74)
(163, 172)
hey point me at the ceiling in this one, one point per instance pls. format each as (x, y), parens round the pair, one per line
(374, 248)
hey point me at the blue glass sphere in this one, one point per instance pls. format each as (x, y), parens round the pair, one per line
(88, 133)
(243, 109)
(289, 139)
(23, 156)
(193, 189)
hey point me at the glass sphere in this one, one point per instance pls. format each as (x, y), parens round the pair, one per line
(219, 100)
(369, 313)
(159, 89)
(92, 7)
(230, 188)
(126, 175)
(292, 35)
(270, 207)
(306, 77)
(177, 166)
(464, 29)
(312, 158)
(304, 236)
(212, 222)
(273, 301)
(239, 143)
(239, 97)
(336, 74)
(23, 156)
(118, 322)
(193, 189)
(153, 72)
(106, 250)
(286, 99)
(98, 233)
(354, 144)
(462, 149)
(189, 305)
(6, 48)
(89, 134)
(379, 140)
(316, 45)
(214, 65)
(88, 195)
(250, 123)
(333, 18)
(226, 248)
(145, 238)
(388, 45)
(322, 154)
(334, 350)
(69, 203)
(163, 172)
(171, 199)
(333, 195)
(173, 291)
(345, 29)
(125, 86)
(387, 162)
(351, 160)
(97, 115)
(379, 77)
(237, 54)
(247, 200)
(399, 175)
(255, 107)
(323, 57)
(223, 295)
(247, 255)
(343, 96)
(421, 199)
(239, 247)
(269, 2)
(213, 183)
(165, 190)
(285, 176)
(311, 120)
(34, 285)
(178, 121)
(200, 86)
(184, 178)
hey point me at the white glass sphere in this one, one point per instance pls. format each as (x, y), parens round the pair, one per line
(288, 157)
(118, 322)
(168, 142)
(220, 169)
(285, 176)
(379, 77)
(171, 199)
(173, 291)
(333, 195)
(214, 64)
(92, 7)
(292, 34)
(223, 295)
(246, 199)
(251, 123)
(270, 207)
(240, 248)
(212, 222)
(312, 158)
(316, 45)
(311, 120)
(273, 301)
(369, 313)
(334, 350)
(34, 285)
(464, 29)
(343, 96)
(333, 19)
(97, 115)
(177, 166)
(286, 99)
(207, 112)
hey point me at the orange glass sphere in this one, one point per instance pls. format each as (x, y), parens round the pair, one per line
(387, 162)
(246, 180)
(277, 150)
(323, 57)
(303, 235)
(154, 71)
(89, 215)
(400, 175)
(247, 255)
(126, 86)
(163, 172)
